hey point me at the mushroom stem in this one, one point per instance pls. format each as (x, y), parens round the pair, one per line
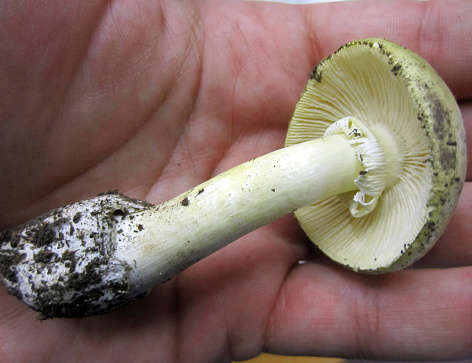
(95, 255)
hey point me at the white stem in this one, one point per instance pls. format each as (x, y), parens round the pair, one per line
(92, 256)
(168, 238)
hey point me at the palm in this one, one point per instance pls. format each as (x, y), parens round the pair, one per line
(151, 99)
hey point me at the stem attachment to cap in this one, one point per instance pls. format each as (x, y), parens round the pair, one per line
(381, 156)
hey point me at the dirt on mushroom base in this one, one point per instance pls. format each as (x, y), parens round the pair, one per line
(44, 253)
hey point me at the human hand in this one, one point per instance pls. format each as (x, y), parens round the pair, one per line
(152, 98)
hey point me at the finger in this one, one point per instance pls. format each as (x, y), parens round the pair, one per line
(437, 30)
(409, 315)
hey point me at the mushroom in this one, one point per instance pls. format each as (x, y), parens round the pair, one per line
(408, 198)
(373, 168)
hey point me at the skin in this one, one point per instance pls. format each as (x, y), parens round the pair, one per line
(152, 98)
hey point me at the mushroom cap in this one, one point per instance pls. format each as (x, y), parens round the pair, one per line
(383, 83)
